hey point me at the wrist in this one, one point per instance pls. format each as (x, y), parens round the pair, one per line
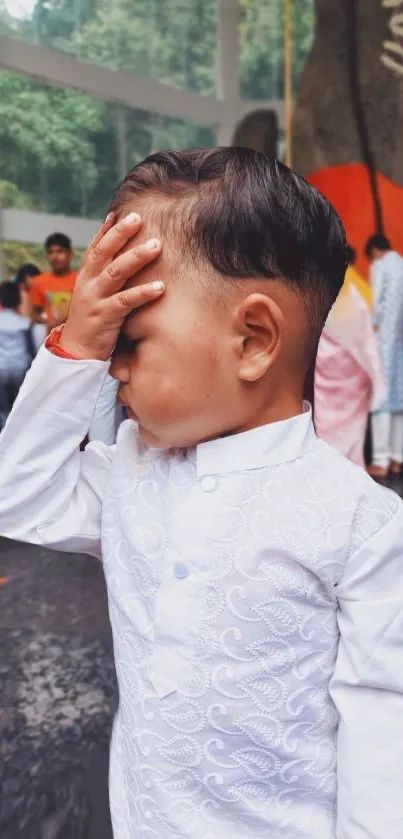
(54, 344)
(73, 348)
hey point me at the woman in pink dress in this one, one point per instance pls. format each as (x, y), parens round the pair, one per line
(348, 376)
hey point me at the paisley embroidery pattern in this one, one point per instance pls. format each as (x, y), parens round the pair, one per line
(223, 611)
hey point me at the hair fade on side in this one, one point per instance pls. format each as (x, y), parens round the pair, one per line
(248, 215)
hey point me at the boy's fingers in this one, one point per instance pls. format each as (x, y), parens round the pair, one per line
(105, 226)
(125, 266)
(132, 298)
(106, 247)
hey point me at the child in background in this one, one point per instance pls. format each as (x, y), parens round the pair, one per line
(16, 349)
(51, 292)
(255, 576)
(24, 279)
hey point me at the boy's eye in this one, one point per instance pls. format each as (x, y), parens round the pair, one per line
(125, 345)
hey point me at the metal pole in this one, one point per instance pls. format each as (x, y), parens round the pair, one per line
(288, 87)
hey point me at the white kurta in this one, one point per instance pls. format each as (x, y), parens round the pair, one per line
(387, 284)
(253, 582)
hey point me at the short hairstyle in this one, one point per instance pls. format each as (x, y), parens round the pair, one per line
(28, 269)
(248, 216)
(59, 240)
(351, 255)
(10, 297)
(377, 242)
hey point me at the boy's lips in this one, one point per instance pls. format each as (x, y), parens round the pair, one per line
(129, 411)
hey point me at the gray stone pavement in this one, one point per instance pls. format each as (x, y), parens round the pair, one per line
(57, 695)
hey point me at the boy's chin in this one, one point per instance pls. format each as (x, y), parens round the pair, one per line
(151, 440)
(155, 441)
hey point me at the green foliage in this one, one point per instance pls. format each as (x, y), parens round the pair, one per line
(15, 254)
(12, 197)
(64, 152)
(47, 141)
(262, 37)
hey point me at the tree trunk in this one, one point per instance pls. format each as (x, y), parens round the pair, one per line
(349, 117)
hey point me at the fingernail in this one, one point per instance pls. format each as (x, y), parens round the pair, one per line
(157, 285)
(109, 218)
(152, 244)
(132, 218)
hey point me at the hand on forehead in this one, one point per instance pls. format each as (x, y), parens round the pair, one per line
(157, 223)
(147, 233)
(152, 209)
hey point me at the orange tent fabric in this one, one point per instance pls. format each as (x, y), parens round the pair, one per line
(347, 187)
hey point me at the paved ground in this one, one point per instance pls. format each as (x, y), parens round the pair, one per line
(57, 695)
(395, 483)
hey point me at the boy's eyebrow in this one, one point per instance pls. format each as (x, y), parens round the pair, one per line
(133, 319)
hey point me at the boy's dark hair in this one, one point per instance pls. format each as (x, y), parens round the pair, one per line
(351, 255)
(377, 242)
(28, 269)
(59, 240)
(248, 215)
(10, 297)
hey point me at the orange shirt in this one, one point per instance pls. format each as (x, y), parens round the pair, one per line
(53, 294)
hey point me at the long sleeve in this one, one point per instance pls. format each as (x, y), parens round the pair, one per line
(51, 493)
(367, 689)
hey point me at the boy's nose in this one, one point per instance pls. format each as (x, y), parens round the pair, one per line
(119, 369)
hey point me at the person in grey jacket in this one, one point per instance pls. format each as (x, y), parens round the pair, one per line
(16, 348)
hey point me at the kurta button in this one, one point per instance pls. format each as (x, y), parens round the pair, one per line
(208, 484)
(181, 570)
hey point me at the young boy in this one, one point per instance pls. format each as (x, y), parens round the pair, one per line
(255, 577)
(51, 292)
(16, 348)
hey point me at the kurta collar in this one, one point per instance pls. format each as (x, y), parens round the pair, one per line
(267, 445)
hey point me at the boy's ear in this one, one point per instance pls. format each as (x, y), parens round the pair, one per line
(260, 326)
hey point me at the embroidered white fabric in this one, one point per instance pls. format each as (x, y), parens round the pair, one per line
(255, 595)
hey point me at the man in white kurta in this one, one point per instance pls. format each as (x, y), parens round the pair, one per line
(387, 284)
(255, 591)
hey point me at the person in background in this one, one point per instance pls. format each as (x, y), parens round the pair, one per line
(387, 423)
(50, 298)
(24, 278)
(51, 292)
(16, 349)
(348, 373)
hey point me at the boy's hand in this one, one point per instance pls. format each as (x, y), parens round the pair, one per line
(100, 301)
